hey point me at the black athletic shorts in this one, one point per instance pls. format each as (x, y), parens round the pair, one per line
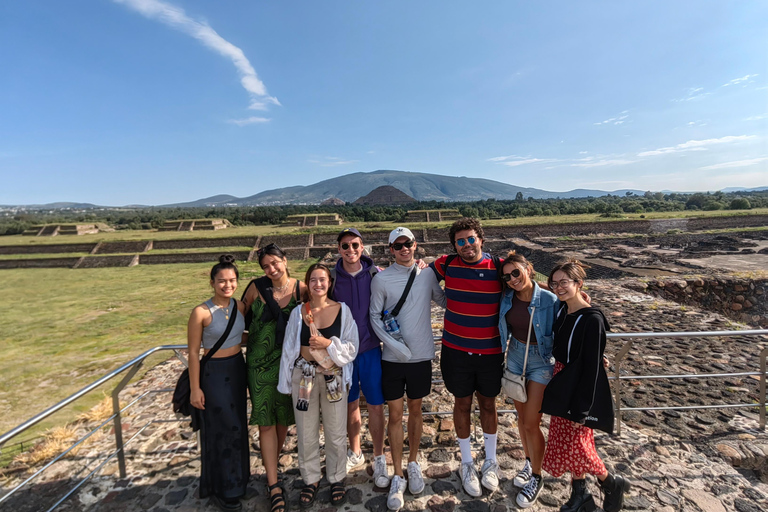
(415, 379)
(465, 373)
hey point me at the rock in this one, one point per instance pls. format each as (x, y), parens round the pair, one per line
(175, 497)
(438, 504)
(439, 455)
(446, 425)
(438, 471)
(667, 498)
(743, 505)
(660, 450)
(354, 496)
(730, 454)
(637, 503)
(475, 506)
(705, 501)
(377, 504)
(149, 500)
(443, 488)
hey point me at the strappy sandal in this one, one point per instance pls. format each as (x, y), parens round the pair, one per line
(279, 503)
(308, 495)
(338, 494)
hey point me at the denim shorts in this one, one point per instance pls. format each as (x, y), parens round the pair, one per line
(537, 370)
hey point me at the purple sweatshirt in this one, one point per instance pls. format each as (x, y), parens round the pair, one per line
(355, 292)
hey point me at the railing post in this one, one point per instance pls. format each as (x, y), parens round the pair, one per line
(763, 356)
(617, 388)
(118, 419)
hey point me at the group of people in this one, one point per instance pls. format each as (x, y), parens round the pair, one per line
(314, 346)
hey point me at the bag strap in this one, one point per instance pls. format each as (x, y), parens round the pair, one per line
(399, 306)
(528, 341)
(223, 338)
(266, 295)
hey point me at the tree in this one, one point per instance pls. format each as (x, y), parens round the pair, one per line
(740, 203)
(519, 197)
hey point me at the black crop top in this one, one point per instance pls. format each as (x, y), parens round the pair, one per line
(332, 330)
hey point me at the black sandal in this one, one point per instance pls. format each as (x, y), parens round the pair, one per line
(308, 495)
(279, 503)
(338, 494)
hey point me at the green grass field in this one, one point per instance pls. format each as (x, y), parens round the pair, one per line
(63, 329)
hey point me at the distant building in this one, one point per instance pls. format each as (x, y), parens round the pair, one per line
(385, 195)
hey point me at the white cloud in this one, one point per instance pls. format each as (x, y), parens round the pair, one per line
(696, 145)
(731, 165)
(693, 94)
(330, 161)
(737, 81)
(758, 117)
(619, 119)
(602, 163)
(176, 18)
(514, 160)
(249, 120)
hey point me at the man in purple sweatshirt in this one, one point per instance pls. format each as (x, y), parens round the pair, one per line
(352, 286)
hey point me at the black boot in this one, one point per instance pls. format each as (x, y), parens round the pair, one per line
(614, 488)
(581, 500)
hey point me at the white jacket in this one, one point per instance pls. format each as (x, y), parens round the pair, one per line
(342, 350)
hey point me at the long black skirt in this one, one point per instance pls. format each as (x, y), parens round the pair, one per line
(225, 464)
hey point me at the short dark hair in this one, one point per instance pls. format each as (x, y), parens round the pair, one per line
(462, 224)
(225, 261)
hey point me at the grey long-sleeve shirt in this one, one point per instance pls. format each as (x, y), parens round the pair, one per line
(415, 316)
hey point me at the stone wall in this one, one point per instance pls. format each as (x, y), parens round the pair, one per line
(45, 249)
(122, 247)
(741, 299)
(199, 257)
(201, 243)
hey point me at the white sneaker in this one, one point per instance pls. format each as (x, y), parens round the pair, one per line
(490, 472)
(380, 475)
(396, 500)
(522, 478)
(469, 480)
(415, 478)
(530, 493)
(354, 460)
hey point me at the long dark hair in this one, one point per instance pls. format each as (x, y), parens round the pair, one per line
(225, 261)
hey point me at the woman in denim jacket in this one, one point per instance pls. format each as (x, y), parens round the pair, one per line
(521, 299)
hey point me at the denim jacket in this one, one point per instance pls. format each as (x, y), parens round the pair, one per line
(546, 305)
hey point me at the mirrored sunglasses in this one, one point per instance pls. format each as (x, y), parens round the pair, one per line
(461, 242)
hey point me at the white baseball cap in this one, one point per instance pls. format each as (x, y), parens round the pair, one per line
(398, 232)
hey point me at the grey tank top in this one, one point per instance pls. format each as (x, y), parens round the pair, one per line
(218, 325)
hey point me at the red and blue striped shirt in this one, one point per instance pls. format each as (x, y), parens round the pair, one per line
(472, 292)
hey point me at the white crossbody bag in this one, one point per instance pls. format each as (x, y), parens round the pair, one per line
(512, 383)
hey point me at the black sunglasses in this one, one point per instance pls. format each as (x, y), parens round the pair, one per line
(269, 247)
(345, 246)
(398, 246)
(508, 277)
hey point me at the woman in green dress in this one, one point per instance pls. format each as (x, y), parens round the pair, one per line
(269, 301)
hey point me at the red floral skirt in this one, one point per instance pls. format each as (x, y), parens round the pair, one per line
(570, 447)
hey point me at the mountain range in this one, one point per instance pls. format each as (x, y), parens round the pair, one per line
(421, 186)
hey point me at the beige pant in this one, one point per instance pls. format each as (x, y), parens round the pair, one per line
(308, 431)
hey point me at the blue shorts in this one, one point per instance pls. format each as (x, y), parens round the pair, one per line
(367, 375)
(537, 370)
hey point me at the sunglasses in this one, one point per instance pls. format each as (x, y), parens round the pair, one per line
(267, 248)
(345, 246)
(508, 277)
(469, 240)
(397, 245)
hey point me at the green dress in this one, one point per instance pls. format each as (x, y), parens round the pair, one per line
(269, 407)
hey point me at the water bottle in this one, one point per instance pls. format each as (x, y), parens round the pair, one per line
(390, 324)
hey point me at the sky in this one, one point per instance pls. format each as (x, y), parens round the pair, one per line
(119, 102)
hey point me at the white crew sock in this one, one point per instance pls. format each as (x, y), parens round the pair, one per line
(466, 451)
(490, 446)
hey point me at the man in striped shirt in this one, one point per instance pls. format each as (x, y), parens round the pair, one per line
(471, 359)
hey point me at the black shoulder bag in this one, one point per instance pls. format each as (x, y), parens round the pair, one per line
(400, 303)
(183, 390)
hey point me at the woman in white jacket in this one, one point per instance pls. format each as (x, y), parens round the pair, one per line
(320, 344)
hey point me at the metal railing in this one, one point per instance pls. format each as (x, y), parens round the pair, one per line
(132, 367)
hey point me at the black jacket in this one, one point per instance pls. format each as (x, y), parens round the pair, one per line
(580, 391)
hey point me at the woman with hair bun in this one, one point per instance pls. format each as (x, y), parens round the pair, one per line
(578, 397)
(321, 341)
(218, 390)
(269, 301)
(527, 310)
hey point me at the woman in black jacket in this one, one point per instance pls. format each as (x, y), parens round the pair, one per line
(578, 397)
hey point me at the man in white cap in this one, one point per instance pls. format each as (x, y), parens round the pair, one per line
(405, 369)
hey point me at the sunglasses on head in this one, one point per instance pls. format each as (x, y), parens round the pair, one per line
(269, 247)
(508, 277)
(397, 245)
(345, 245)
(461, 242)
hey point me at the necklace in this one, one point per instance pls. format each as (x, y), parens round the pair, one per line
(281, 288)
(225, 308)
